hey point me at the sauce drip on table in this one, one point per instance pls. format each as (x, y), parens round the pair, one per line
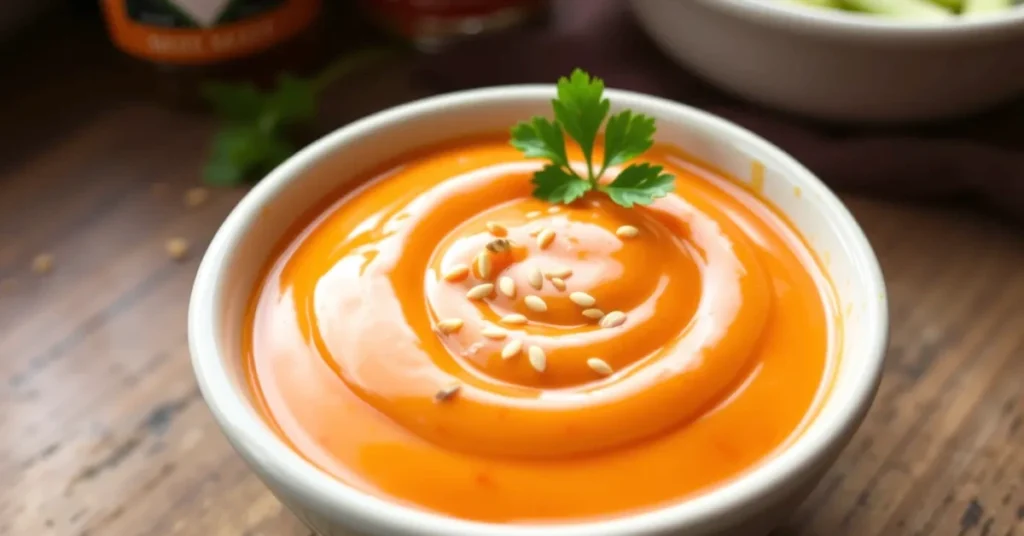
(440, 338)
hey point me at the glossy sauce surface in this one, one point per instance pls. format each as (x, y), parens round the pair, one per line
(727, 345)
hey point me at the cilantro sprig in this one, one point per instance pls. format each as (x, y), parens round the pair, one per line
(259, 126)
(580, 109)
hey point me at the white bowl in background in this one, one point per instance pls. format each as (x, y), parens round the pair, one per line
(749, 505)
(842, 66)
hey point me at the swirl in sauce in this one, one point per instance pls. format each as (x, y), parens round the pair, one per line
(729, 324)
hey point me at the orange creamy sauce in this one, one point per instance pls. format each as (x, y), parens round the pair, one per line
(721, 361)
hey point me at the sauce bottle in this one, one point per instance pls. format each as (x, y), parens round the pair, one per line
(429, 24)
(188, 42)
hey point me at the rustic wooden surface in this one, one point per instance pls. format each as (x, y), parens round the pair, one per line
(102, 430)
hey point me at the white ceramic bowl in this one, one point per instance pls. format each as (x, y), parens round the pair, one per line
(749, 505)
(843, 66)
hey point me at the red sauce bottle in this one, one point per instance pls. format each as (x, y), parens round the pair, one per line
(431, 23)
(192, 41)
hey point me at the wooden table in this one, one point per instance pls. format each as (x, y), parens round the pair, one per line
(103, 432)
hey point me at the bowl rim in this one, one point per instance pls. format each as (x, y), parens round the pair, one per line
(254, 439)
(842, 23)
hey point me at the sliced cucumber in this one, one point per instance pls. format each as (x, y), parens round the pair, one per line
(972, 7)
(907, 9)
(834, 4)
(954, 5)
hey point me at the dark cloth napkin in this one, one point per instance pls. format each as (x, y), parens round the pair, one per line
(977, 160)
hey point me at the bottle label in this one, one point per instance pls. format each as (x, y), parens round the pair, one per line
(204, 31)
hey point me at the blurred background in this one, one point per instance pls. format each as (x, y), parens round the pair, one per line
(377, 53)
(129, 128)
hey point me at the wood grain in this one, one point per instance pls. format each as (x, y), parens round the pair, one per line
(102, 431)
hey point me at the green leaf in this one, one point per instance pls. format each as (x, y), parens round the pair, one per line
(242, 151)
(294, 100)
(232, 156)
(236, 144)
(221, 172)
(555, 185)
(234, 102)
(580, 110)
(640, 184)
(255, 138)
(540, 138)
(627, 136)
(276, 149)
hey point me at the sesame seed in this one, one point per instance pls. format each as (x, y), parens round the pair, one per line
(535, 278)
(499, 245)
(545, 238)
(507, 286)
(561, 272)
(445, 393)
(595, 314)
(195, 197)
(483, 265)
(494, 333)
(599, 366)
(538, 359)
(558, 283)
(42, 264)
(582, 299)
(177, 248)
(497, 229)
(449, 325)
(627, 231)
(480, 292)
(553, 210)
(533, 214)
(535, 303)
(512, 349)
(613, 319)
(456, 273)
(514, 319)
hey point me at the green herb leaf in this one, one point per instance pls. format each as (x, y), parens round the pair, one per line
(555, 185)
(627, 136)
(241, 151)
(234, 102)
(293, 101)
(580, 110)
(540, 138)
(640, 184)
(257, 125)
(221, 172)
